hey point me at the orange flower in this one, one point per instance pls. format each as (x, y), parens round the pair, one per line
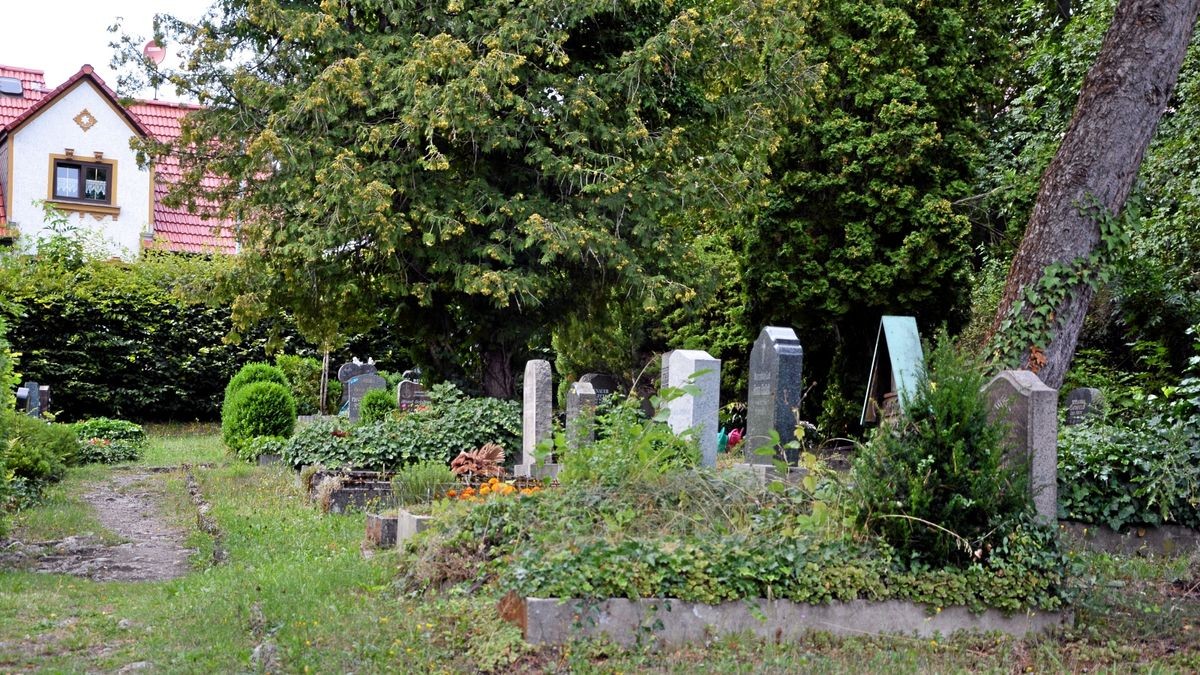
(452, 493)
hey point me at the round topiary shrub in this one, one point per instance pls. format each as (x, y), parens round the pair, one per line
(253, 372)
(258, 409)
(377, 405)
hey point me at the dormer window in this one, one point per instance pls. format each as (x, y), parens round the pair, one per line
(83, 180)
(83, 183)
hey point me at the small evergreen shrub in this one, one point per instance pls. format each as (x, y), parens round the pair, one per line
(254, 372)
(376, 406)
(108, 441)
(936, 484)
(422, 482)
(264, 408)
(38, 451)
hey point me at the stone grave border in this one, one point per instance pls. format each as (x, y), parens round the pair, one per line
(675, 622)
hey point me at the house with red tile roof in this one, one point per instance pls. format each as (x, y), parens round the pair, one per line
(70, 147)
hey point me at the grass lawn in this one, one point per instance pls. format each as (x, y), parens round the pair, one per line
(297, 581)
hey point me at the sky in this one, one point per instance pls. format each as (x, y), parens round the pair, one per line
(59, 36)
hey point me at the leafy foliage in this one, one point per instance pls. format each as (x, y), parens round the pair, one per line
(8, 379)
(261, 408)
(936, 486)
(304, 374)
(478, 164)
(377, 405)
(1140, 470)
(251, 373)
(126, 340)
(705, 538)
(37, 451)
(861, 219)
(451, 424)
(109, 441)
(628, 446)
(422, 482)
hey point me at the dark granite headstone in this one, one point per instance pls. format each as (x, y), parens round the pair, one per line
(357, 387)
(603, 384)
(1083, 402)
(33, 399)
(410, 394)
(776, 385)
(351, 370)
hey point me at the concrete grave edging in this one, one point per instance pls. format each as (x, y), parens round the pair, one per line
(674, 622)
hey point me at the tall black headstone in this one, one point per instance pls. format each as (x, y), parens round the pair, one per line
(776, 369)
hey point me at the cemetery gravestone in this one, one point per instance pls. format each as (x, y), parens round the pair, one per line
(357, 387)
(349, 371)
(776, 364)
(1030, 409)
(603, 384)
(581, 414)
(33, 399)
(697, 411)
(1083, 402)
(410, 395)
(537, 412)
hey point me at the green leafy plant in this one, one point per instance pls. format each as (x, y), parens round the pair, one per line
(38, 451)
(936, 485)
(8, 379)
(422, 482)
(377, 405)
(262, 408)
(304, 375)
(451, 424)
(628, 446)
(108, 441)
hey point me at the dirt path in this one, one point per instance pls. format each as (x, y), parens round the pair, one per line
(128, 504)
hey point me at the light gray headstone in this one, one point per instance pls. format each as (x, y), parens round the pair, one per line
(776, 365)
(351, 370)
(697, 412)
(581, 414)
(537, 413)
(1083, 402)
(1030, 408)
(357, 387)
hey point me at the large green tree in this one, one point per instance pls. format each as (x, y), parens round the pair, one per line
(862, 219)
(481, 169)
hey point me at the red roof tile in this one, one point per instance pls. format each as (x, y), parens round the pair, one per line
(48, 98)
(33, 83)
(176, 229)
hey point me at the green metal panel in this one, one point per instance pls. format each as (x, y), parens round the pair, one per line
(899, 341)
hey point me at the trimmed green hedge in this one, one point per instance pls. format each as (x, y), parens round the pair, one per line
(128, 340)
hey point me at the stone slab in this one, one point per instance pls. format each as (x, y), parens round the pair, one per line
(537, 410)
(673, 622)
(408, 525)
(697, 411)
(776, 387)
(1030, 409)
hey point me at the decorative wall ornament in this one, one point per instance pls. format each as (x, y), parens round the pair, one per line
(85, 119)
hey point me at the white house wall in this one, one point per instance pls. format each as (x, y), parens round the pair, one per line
(54, 131)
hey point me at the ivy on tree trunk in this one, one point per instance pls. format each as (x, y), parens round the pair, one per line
(1122, 99)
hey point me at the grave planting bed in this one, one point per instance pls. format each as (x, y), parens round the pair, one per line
(340, 491)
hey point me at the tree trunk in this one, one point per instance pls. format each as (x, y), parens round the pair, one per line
(1122, 99)
(498, 379)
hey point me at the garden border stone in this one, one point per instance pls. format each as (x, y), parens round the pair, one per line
(1136, 540)
(674, 622)
(408, 524)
